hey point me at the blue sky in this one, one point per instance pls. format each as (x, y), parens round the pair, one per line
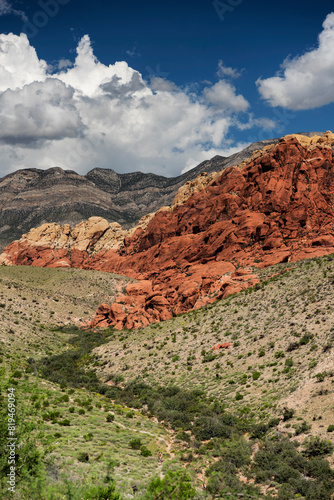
(192, 79)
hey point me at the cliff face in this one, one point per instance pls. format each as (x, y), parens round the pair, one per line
(31, 197)
(276, 207)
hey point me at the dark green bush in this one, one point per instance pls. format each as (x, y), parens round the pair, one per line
(210, 427)
(285, 492)
(183, 436)
(306, 338)
(273, 422)
(292, 346)
(174, 486)
(102, 493)
(279, 459)
(145, 452)
(65, 422)
(288, 413)
(135, 443)
(83, 457)
(259, 430)
(316, 447)
(302, 428)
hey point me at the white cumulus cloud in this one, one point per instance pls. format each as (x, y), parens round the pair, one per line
(306, 81)
(223, 95)
(88, 74)
(87, 114)
(19, 63)
(226, 71)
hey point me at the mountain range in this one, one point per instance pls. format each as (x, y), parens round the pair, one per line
(31, 197)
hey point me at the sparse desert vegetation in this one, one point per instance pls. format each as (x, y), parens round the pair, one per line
(94, 408)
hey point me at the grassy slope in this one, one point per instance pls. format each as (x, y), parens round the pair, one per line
(32, 297)
(295, 307)
(34, 302)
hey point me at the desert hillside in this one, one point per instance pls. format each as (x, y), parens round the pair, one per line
(274, 207)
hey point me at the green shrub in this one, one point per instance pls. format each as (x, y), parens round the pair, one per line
(321, 376)
(330, 428)
(237, 454)
(288, 413)
(206, 427)
(183, 436)
(145, 452)
(285, 492)
(102, 493)
(135, 444)
(259, 430)
(273, 422)
(83, 457)
(174, 486)
(292, 346)
(302, 428)
(88, 437)
(306, 338)
(315, 447)
(65, 422)
(208, 358)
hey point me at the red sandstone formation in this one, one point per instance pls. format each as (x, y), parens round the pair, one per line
(278, 207)
(225, 345)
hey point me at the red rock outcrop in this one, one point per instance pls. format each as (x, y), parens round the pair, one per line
(277, 207)
(225, 345)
